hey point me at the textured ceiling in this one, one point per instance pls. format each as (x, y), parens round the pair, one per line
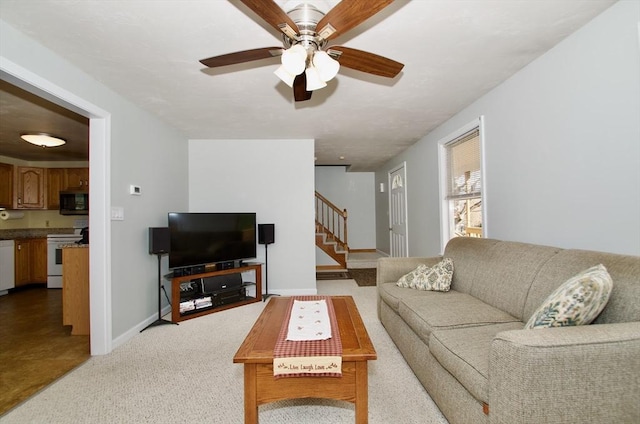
(454, 51)
(22, 112)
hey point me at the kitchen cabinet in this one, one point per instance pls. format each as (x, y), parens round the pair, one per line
(22, 259)
(29, 188)
(6, 185)
(24, 187)
(30, 257)
(39, 260)
(65, 179)
(75, 289)
(77, 179)
(55, 184)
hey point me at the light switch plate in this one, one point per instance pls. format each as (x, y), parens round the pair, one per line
(117, 213)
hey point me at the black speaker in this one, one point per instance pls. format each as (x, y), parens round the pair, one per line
(266, 233)
(158, 240)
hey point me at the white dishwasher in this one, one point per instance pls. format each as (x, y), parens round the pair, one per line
(7, 266)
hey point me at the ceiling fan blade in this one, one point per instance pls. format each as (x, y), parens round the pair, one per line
(348, 14)
(367, 62)
(300, 93)
(241, 57)
(271, 13)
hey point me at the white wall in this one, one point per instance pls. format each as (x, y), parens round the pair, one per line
(353, 191)
(273, 178)
(137, 149)
(562, 147)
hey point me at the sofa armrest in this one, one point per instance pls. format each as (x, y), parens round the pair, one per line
(391, 269)
(588, 373)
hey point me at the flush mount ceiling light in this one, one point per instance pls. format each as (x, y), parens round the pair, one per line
(307, 61)
(43, 140)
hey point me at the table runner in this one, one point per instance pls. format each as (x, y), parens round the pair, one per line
(309, 320)
(320, 358)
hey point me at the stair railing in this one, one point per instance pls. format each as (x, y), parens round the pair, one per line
(332, 221)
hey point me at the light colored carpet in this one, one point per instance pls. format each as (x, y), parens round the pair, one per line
(172, 374)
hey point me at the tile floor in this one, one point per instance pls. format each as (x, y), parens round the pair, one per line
(35, 348)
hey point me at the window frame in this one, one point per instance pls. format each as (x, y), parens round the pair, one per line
(445, 204)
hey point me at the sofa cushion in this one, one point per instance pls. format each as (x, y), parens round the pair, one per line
(625, 273)
(504, 279)
(438, 310)
(576, 302)
(464, 352)
(467, 253)
(392, 295)
(437, 277)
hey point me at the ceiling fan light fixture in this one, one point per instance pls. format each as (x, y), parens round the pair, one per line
(284, 75)
(306, 28)
(43, 140)
(294, 59)
(327, 66)
(314, 82)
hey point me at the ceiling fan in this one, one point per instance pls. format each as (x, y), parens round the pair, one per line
(307, 62)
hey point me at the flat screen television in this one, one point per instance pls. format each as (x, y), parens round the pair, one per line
(205, 238)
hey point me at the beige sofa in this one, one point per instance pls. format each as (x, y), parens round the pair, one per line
(469, 349)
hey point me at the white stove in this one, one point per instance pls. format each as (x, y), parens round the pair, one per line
(54, 256)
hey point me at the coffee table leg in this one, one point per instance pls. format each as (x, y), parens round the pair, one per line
(250, 394)
(362, 393)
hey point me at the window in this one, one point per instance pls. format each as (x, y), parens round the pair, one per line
(461, 184)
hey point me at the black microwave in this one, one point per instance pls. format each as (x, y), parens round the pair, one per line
(74, 203)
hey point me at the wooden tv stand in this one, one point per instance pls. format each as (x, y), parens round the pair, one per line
(178, 296)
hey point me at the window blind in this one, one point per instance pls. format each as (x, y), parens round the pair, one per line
(463, 166)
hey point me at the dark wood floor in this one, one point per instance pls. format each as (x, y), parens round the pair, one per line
(35, 348)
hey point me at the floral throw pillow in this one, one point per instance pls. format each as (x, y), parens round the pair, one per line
(436, 278)
(578, 301)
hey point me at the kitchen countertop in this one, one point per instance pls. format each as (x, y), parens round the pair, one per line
(73, 245)
(24, 233)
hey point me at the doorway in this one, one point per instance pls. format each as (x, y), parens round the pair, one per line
(99, 163)
(398, 238)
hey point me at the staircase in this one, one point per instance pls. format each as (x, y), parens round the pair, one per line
(331, 230)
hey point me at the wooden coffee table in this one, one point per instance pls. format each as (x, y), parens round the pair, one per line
(256, 353)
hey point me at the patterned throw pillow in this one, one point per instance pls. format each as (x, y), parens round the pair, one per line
(578, 301)
(436, 278)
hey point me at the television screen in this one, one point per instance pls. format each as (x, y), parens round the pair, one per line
(204, 238)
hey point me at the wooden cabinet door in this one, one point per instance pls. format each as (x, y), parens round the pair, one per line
(75, 290)
(77, 179)
(30, 261)
(38, 258)
(29, 188)
(6, 185)
(55, 184)
(22, 262)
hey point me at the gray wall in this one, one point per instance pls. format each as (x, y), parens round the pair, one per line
(273, 178)
(562, 148)
(143, 151)
(148, 153)
(353, 191)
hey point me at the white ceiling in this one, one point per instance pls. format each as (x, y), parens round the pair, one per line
(454, 51)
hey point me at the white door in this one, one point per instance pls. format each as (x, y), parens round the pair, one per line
(399, 242)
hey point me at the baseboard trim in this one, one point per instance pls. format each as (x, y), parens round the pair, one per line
(132, 332)
(294, 292)
(362, 250)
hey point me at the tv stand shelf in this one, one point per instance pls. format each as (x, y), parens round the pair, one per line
(203, 299)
